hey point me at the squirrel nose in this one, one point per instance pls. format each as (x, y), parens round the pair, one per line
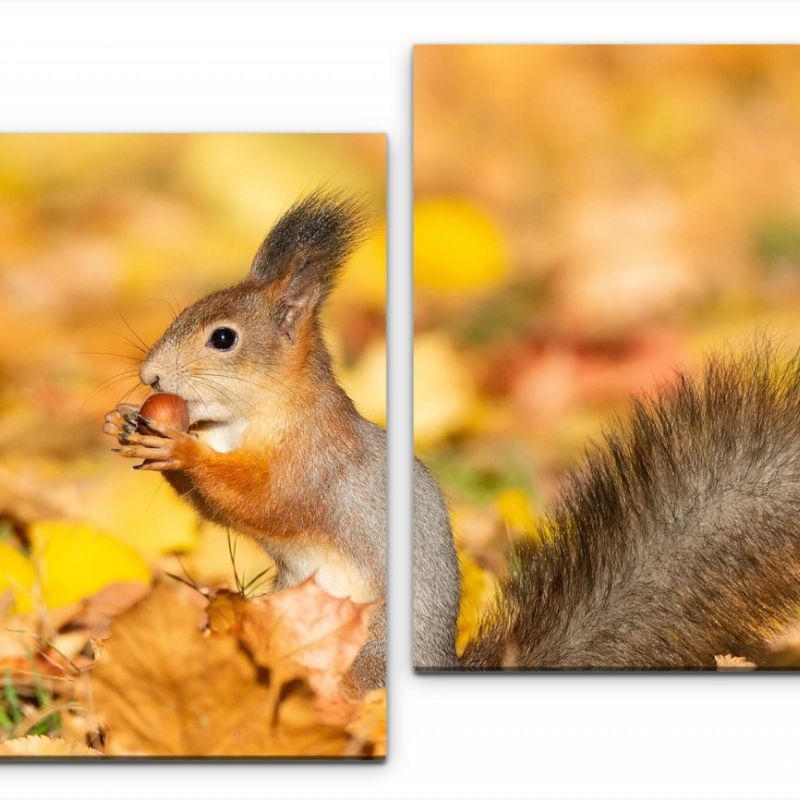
(149, 376)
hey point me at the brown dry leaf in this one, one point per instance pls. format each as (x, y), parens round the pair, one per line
(164, 688)
(25, 501)
(729, 662)
(225, 612)
(301, 729)
(369, 723)
(96, 612)
(305, 632)
(44, 746)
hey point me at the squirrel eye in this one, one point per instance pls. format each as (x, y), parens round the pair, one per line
(223, 338)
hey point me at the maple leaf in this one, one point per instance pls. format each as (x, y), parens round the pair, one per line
(162, 687)
(95, 613)
(76, 560)
(301, 632)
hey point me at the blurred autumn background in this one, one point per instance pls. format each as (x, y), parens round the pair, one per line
(102, 238)
(587, 219)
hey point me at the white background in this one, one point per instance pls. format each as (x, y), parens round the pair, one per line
(346, 66)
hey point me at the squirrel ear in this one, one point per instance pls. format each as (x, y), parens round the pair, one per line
(304, 251)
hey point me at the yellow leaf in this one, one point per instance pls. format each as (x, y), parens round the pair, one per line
(515, 509)
(142, 510)
(76, 560)
(478, 589)
(17, 574)
(445, 399)
(457, 247)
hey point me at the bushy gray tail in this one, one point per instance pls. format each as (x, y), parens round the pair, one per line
(678, 540)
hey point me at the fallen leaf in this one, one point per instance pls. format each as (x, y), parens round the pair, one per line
(733, 663)
(18, 576)
(94, 613)
(303, 632)
(369, 723)
(457, 247)
(45, 746)
(164, 688)
(225, 612)
(514, 507)
(75, 560)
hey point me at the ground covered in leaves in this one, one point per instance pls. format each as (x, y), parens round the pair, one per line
(172, 668)
(176, 669)
(127, 625)
(587, 219)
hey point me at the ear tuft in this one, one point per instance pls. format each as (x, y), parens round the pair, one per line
(305, 250)
(317, 233)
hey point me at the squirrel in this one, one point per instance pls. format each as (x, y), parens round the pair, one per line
(276, 449)
(676, 541)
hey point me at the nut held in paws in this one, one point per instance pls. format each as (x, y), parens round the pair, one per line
(168, 409)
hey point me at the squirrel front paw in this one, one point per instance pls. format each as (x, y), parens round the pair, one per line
(162, 448)
(116, 420)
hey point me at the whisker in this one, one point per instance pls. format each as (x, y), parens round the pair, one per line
(281, 389)
(126, 373)
(199, 358)
(169, 305)
(272, 376)
(115, 355)
(139, 385)
(108, 384)
(130, 328)
(226, 394)
(232, 377)
(123, 337)
(199, 396)
(177, 302)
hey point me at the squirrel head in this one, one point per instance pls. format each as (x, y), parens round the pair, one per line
(224, 352)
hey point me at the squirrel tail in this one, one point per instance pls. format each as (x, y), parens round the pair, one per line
(678, 540)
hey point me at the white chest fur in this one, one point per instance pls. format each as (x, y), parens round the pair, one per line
(222, 436)
(331, 572)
